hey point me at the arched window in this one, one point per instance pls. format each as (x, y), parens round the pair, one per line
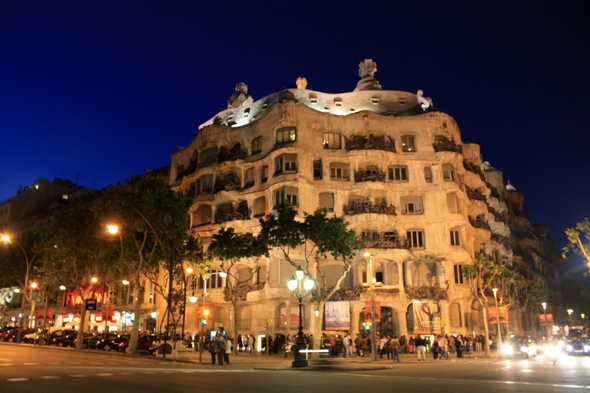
(448, 172)
(455, 315)
(260, 206)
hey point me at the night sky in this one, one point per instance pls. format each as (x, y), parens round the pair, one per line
(99, 90)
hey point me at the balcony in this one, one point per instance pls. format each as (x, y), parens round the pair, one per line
(476, 223)
(475, 195)
(445, 144)
(370, 142)
(471, 167)
(226, 154)
(365, 175)
(385, 242)
(361, 207)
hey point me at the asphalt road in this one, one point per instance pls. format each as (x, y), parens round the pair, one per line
(25, 368)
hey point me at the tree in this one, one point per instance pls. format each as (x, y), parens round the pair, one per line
(575, 241)
(76, 249)
(232, 248)
(315, 238)
(480, 277)
(153, 238)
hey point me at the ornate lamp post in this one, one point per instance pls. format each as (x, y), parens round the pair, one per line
(546, 323)
(308, 284)
(498, 320)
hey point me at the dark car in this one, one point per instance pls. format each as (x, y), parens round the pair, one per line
(94, 340)
(144, 343)
(578, 346)
(69, 340)
(113, 344)
(6, 332)
(12, 336)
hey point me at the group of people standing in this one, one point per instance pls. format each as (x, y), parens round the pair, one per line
(220, 347)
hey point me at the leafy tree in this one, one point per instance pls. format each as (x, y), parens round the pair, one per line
(231, 249)
(316, 238)
(575, 241)
(480, 277)
(75, 249)
(153, 238)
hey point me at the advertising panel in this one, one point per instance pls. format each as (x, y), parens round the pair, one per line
(426, 317)
(337, 315)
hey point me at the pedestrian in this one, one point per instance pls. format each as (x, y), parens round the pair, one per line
(220, 348)
(395, 348)
(228, 349)
(459, 347)
(213, 348)
(435, 348)
(347, 342)
(411, 344)
(358, 345)
(420, 348)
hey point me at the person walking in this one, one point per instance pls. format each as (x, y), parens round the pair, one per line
(213, 348)
(251, 343)
(420, 348)
(346, 341)
(435, 348)
(220, 348)
(459, 347)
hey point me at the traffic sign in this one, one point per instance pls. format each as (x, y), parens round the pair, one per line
(90, 305)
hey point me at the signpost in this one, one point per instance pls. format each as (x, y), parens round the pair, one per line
(90, 305)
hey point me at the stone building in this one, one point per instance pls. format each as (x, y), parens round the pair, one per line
(421, 200)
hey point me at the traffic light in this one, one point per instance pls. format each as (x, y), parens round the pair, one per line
(367, 325)
(204, 321)
(206, 315)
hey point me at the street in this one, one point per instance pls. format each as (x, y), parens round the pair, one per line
(25, 368)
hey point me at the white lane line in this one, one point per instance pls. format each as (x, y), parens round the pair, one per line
(49, 377)
(18, 379)
(6, 364)
(6, 360)
(78, 375)
(104, 375)
(30, 364)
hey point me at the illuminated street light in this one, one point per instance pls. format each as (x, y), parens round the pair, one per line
(125, 282)
(546, 323)
(292, 284)
(113, 229)
(33, 285)
(94, 279)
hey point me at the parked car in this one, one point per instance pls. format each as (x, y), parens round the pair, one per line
(144, 343)
(5, 332)
(12, 336)
(48, 337)
(94, 340)
(30, 337)
(69, 340)
(112, 344)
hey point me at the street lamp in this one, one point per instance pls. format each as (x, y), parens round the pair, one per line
(546, 323)
(206, 312)
(6, 239)
(308, 284)
(373, 326)
(498, 320)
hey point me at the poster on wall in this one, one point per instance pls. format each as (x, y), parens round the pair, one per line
(337, 315)
(492, 316)
(377, 311)
(426, 317)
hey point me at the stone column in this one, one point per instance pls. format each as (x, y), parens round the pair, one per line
(356, 308)
(403, 323)
(408, 272)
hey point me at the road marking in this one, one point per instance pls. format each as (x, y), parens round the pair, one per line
(78, 375)
(30, 364)
(18, 379)
(104, 375)
(49, 377)
(6, 360)
(6, 364)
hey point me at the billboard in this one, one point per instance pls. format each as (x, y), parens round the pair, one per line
(493, 316)
(542, 319)
(377, 311)
(337, 315)
(426, 317)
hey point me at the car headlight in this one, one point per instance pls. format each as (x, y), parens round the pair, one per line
(551, 351)
(569, 348)
(586, 348)
(507, 349)
(540, 347)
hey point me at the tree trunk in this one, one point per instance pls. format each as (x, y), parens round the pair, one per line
(82, 329)
(138, 301)
(235, 327)
(486, 328)
(317, 339)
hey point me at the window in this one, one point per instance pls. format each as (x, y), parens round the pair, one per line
(327, 201)
(423, 273)
(264, 174)
(250, 177)
(259, 206)
(428, 174)
(453, 203)
(506, 260)
(286, 163)
(339, 171)
(208, 157)
(496, 258)
(455, 315)
(286, 194)
(448, 172)
(455, 236)
(458, 270)
(280, 272)
(203, 215)
(393, 274)
(412, 204)
(398, 173)
(286, 134)
(256, 145)
(416, 238)
(331, 140)
(408, 144)
(317, 170)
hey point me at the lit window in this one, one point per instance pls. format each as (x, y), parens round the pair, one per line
(286, 134)
(408, 144)
(398, 173)
(331, 140)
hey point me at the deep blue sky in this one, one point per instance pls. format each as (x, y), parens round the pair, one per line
(105, 89)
